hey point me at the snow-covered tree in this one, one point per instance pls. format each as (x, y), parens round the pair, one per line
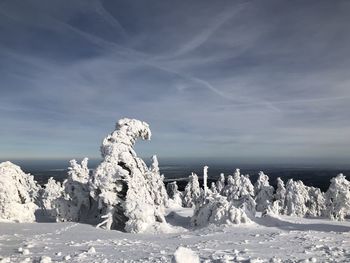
(220, 184)
(338, 198)
(238, 186)
(18, 194)
(156, 185)
(263, 193)
(316, 203)
(217, 210)
(297, 196)
(246, 187)
(77, 192)
(175, 196)
(120, 183)
(205, 180)
(52, 200)
(213, 188)
(192, 191)
(280, 195)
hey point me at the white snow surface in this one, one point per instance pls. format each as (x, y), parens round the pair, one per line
(268, 239)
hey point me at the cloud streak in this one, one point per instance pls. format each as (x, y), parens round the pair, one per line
(230, 80)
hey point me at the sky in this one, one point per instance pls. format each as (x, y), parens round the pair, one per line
(251, 81)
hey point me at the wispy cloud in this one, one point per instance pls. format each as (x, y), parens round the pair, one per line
(213, 79)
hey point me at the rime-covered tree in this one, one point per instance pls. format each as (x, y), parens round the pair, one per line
(216, 209)
(316, 203)
(156, 185)
(77, 192)
(18, 194)
(192, 191)
(263, 193)
(220, 184)
(297, 196)
(120, 184)
(52, 200)
(338, 198)
(279, 198)
(238, 186)
(175, 196)
(213, 188)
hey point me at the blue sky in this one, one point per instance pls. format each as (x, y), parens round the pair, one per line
(256, 81)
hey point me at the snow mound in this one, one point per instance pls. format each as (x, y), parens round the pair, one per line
(18, 194)
(217, 210)
(185, 255)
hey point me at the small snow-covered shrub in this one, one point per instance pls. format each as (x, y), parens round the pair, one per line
(192, 191)
(337, 198)
(18, 194)
(217, 210)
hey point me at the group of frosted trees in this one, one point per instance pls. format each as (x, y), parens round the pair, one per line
(123, 193)
(293, 199)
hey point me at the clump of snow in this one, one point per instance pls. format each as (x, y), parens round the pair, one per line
(218, 210)
(337, 198)
(185, 255)
(121, 183)
(18, 194)
(192, 191)
(45, 259)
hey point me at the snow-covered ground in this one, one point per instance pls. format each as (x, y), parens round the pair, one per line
(268, 239)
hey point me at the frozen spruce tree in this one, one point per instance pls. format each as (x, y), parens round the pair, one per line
(338, 198)
(297, 196)
(18, 194)
(77, 192)
(263, 193)
(316, 203)
(156, 185)
(220, 184)
(215, 209)
(70, 201)
(280, 195)
(213, 188)
(238, 186)
(175, 196)
(52, 200)
(120, 183)
(192, 191)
